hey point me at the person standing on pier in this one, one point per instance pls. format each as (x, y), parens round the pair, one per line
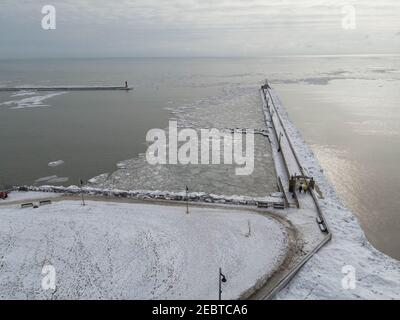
(305, 186)
(292, 184)
(312, 184)
(126, 84)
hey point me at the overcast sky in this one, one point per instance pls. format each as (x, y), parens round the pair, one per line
(215, 28)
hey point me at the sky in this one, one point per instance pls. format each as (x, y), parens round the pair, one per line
(199, 28)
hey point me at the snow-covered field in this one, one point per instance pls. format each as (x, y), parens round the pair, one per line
(135, 251)
(377, 276)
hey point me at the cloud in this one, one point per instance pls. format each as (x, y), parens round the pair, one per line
(206, 27)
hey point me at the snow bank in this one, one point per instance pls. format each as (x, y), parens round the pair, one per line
(135, 251)
(160, 195)
(377, 275)
(30, 195)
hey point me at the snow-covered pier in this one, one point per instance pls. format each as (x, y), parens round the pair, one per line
(66, 88)
(306, 213)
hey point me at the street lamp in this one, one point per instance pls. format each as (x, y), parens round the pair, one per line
(187, 200)
(83, 199)
(221, 278)
(279, 142)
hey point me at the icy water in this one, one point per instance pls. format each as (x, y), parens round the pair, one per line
(345, 107)
(92, 132)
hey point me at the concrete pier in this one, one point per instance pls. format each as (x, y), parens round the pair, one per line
(287, 164)
(66, 88)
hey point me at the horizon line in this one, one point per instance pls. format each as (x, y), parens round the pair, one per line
(210, 57)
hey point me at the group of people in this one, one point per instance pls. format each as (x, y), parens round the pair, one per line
(304, 184)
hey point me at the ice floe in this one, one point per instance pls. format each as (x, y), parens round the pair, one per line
(99, 179)
(31, 102)
(56, 163)
(52, 179)
(23, 93)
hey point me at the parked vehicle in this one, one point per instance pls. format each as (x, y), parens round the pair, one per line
(3, 195)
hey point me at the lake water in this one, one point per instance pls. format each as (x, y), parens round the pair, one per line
(345, 107)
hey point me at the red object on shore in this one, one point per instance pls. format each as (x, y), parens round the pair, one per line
(3, 195)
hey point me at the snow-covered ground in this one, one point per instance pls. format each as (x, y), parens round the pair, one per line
(135, 251)
(377, 275)
(30, 195)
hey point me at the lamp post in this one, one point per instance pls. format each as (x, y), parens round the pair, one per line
(221, 278)
(279, 142)
(187, 200)
(83, 199)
